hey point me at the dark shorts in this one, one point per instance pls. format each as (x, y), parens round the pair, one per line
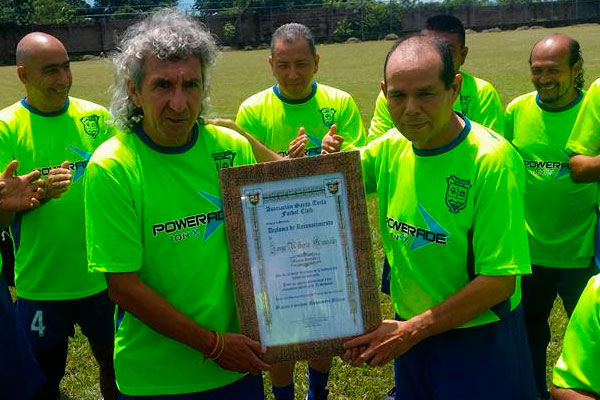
(386, 276)
(48, 323)
(20, 375)
(489, 362)
(250, 387)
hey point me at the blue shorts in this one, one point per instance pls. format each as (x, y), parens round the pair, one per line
(49, 323)
(250, 387)
(20, 375)
(386, 276)
(489, 362)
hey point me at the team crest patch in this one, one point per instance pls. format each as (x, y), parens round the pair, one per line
(224, 159)
(457, 193)
(328, 116)
(91, 125)
(465, 101)
(255, 198)
(333, 186)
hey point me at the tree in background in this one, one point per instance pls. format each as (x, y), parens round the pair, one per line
(128, 7)
(7, 12)
(41, 12)
(256, 5)
(368, 18)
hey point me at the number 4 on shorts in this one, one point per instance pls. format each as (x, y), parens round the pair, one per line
(37, 324)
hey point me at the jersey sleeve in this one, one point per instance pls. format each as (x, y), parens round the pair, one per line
(382, 120)
(577, 367)
(491, 112)
(246, 119)
(500, 243)
(369, 163)
(113, 225)
(585, 136)
(351, 126)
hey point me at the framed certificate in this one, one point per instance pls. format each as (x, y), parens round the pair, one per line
(301, 254)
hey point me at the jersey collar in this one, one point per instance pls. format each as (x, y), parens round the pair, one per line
(455, 142)
(572, 104)
(291, 101)
(35, 111)
(166, 150)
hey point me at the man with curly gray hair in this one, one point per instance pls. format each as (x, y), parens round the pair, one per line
(154, 222)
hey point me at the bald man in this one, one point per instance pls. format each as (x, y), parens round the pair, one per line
(451, 218)
(560, 214)
(55, 134)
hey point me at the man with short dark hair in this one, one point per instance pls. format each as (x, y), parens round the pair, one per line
(54, 288)
(177, 325)
(451, 215)
(479, 101)
(298, 116)
(559, 213)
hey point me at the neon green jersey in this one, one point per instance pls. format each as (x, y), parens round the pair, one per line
(275, 120)
(560, 214)
(585, 137)
(50, 260)
(448, 215)
(158, 211)
(479, 101)
(577, 367)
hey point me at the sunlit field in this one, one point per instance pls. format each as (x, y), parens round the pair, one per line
(501, 58)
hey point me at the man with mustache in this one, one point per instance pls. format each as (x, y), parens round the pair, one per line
(559, 213)
(451, 217)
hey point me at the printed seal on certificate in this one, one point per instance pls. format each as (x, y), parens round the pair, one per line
(301, 254)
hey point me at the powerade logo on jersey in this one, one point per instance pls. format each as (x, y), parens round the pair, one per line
(547, 168)
(309, 151)
(328, 115)
(457, 193)
(224, 159)
(421, 237)
(91, 125)
(189, 226)
(78, 167)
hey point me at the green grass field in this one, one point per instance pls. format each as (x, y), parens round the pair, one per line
(501, 58)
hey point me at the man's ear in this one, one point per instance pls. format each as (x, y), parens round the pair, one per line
(22, 73)
(577, 67)
(456, 86)
(463, 53)
(383, 88)
(133, 94)
(317, 58)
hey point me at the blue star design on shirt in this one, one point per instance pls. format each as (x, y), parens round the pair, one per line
(212, 226)
(564, 170)
(432, 225)
(86, 157)
(314, 140)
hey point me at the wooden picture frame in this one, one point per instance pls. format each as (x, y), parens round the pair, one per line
(301, 254)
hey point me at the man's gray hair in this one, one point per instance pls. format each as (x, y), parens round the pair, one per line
(292, 31)
(168, 35)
